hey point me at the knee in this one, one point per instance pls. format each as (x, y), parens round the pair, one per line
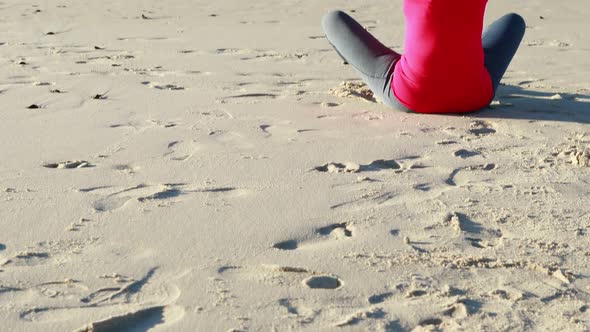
(516, 21)
(332, 19)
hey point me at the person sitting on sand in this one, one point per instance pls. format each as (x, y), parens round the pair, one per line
(447, 65)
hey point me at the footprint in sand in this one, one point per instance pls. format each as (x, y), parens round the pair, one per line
(249, 98)
(552, 43)
(259, 54)
(164, 193)
(63, 289)
(140, 320)
(576, 154)
(126, 168)
(282, 275)
(110, 203)
(481, 128)
(160, 194)
(430, 322)
(274, 55)
(468, 230)
(128, 125)
(379, 298)
(27, 258)
(156, 299)
(368, 201)
(333, 231)
(299, 309)
(231, 140)
(141, 193)
(323, 282)
(77, 226)
(350, 167)
(282, 130)
(68, 164)
(371, 313)
(46, 252)
(328, 104)
(107, 295)
(422, 187)
(156, 85)
(463, 154)
(8, 289)
(140, 126)
(451, 179)
(115, 200)
(287, 245)
(181, 150)
(230, 51)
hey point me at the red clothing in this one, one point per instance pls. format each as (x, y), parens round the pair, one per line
(442, 68)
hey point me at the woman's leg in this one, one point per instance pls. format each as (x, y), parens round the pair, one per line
(500, 42)
(372, 60)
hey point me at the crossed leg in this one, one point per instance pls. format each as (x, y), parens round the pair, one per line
(373, 61)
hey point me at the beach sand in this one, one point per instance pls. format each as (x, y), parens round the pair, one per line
(213, 166)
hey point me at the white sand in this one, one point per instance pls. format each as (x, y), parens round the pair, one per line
(200, 208)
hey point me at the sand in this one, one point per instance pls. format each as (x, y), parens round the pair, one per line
(214, 166)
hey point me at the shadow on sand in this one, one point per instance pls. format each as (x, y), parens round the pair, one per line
(538, 106)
